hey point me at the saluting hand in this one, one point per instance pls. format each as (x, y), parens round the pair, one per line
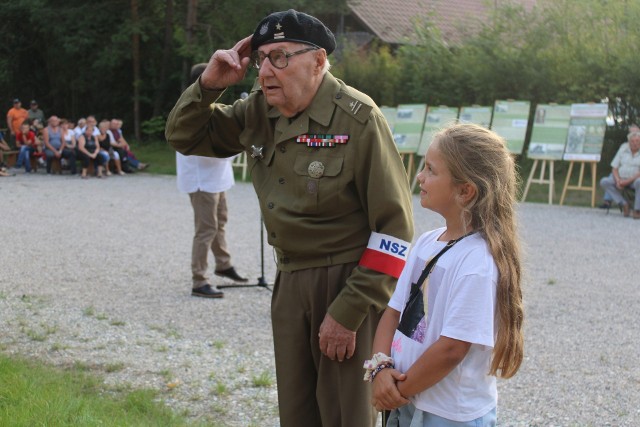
(227, 66)
(336, 341)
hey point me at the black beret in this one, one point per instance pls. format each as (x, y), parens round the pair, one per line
(293, 26)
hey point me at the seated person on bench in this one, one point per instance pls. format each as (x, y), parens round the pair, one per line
(625, 174)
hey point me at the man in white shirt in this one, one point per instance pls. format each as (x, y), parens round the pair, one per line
(206, 179)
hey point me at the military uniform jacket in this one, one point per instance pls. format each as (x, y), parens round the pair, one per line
(320, 204)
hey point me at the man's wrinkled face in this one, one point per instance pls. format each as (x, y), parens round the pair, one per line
(291, 88)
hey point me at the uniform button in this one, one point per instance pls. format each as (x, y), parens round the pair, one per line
(273, 234)
(283, 149)
(338, 96)
(285, 260)
(270, 205)
(281, 180)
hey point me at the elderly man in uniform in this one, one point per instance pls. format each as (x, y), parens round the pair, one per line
(335, 200)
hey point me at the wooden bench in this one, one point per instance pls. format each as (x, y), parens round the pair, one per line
(11, 158)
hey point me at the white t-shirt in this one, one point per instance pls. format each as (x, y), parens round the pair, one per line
(208, 174)
(461, 305)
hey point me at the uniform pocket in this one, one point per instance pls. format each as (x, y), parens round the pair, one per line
(317, 180)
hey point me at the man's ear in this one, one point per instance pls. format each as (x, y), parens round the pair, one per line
(321, 58)
(466, 192)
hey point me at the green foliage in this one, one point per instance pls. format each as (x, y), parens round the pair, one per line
(374, 72)
(154, 127)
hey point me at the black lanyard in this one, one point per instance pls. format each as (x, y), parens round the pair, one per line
(432, 262)
(414, 310)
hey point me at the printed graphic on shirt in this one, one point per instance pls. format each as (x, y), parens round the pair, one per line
(413, 323)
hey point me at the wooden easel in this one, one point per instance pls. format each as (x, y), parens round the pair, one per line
(541, 179)
(410, 162)
(414, 178)
(580, 186)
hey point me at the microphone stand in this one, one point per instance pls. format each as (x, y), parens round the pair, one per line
(262, 282)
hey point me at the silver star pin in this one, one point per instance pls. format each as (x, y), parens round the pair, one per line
(278, 26)
(257, 152)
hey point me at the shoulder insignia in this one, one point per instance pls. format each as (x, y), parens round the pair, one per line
(355, 107)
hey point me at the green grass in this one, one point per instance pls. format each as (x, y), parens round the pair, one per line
(157, 153)
(162, 158)
(262, 380)
(35, 395)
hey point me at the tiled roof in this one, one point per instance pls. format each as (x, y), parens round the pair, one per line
(393, 21)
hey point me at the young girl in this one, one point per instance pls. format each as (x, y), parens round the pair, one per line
(454, 322)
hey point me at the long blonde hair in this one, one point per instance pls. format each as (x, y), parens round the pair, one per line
(479, 156)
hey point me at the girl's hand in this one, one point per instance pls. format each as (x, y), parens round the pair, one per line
(385, 391)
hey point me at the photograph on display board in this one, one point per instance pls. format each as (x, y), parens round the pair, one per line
(479, 115)
(437, 118)
(510, 120)
(408, 125)
(587, 126)
(549, 133)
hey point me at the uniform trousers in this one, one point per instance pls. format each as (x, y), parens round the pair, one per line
(210, 217)
(314, 390)
(608, 183)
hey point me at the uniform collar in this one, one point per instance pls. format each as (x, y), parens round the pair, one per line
(320, 111)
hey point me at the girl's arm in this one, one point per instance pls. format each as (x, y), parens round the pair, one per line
(434, 364)
(385, 394)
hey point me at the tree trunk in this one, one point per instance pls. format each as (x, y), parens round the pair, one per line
(135, 53)
(192, 18)
(166, 55)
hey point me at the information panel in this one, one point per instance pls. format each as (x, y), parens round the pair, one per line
(407, 129)
(549, 133)
(586, 132)
(389, 113)
(510, 119)
(476, 114)
(437, 118)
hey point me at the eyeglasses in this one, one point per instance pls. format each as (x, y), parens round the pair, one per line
(278, 57)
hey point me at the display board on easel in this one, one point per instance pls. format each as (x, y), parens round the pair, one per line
(548, 139)
(407, 129)
(586, 132)
(510, 120)
(584, 144)
(407, 132)
(476, 114)
(437, 118)
(389, 113)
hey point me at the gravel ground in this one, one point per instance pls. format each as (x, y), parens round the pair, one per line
(96, 273)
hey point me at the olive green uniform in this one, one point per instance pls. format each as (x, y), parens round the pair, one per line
(314, 220)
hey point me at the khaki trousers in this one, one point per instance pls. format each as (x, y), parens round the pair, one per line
(210, 217)
(313, 390)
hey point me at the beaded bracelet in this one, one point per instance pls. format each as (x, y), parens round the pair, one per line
(378, 369)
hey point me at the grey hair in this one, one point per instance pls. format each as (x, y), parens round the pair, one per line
(635, 133)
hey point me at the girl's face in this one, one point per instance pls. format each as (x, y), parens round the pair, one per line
(437, 190)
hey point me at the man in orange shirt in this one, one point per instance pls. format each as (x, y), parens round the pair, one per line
(15, 117)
